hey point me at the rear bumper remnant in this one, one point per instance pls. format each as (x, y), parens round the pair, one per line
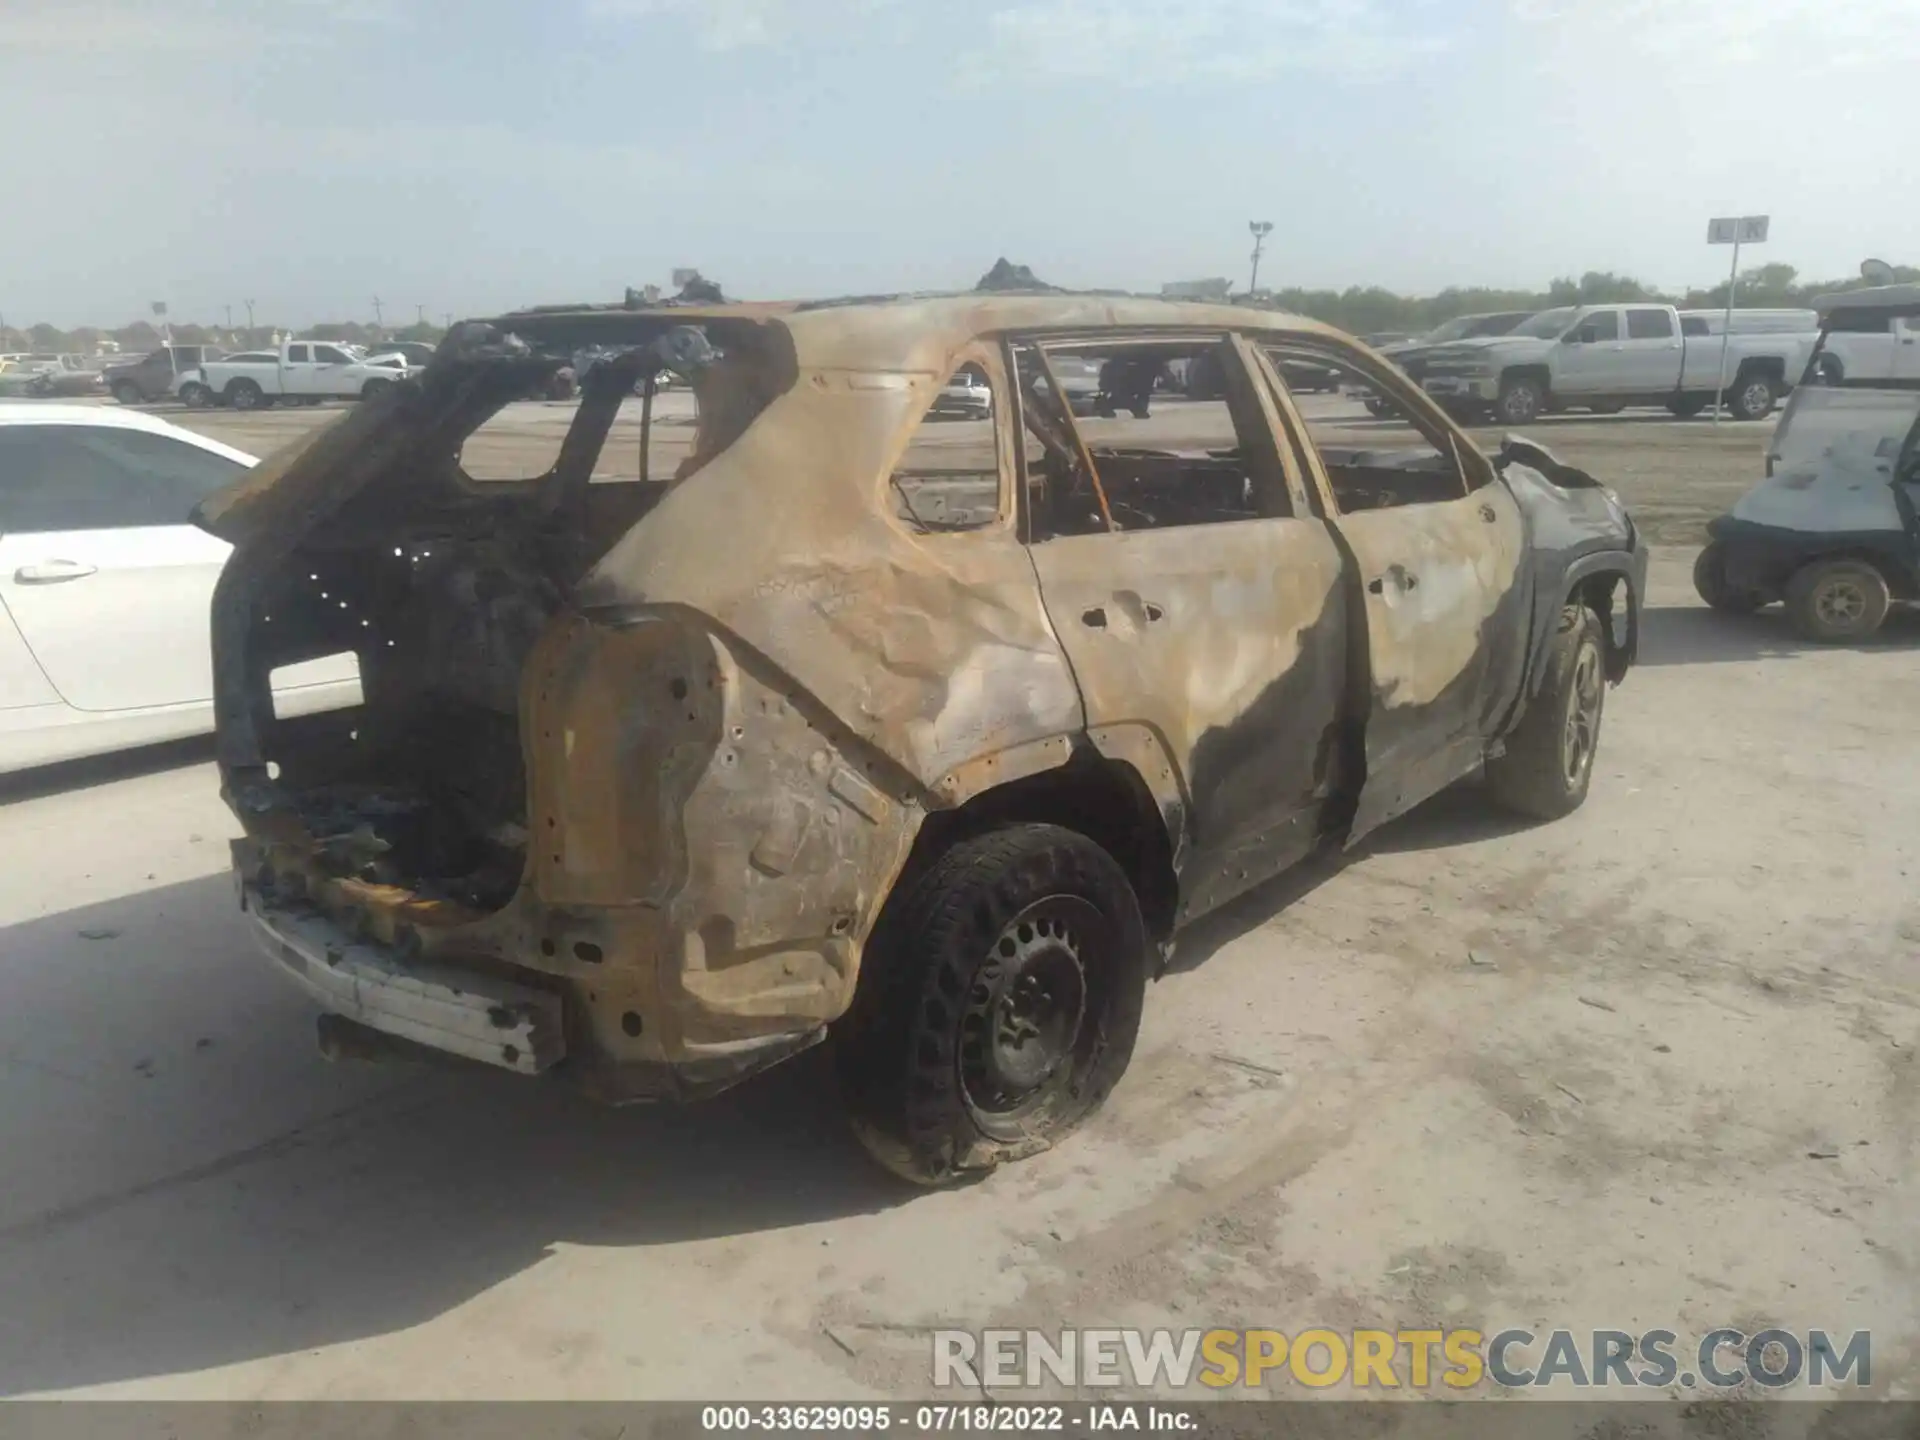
(456, 1012)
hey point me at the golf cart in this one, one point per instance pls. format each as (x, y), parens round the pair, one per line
(1832, 530)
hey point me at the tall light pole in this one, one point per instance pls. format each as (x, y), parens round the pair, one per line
(229, 310)
(1261, 229)
(377, 318)
(249, 305)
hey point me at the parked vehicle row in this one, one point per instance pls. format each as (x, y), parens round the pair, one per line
(1410, 355)
(1606, 357)
(299, 372)
(158, 374)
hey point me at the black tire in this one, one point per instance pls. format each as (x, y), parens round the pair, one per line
(1834, 601)
(1548, 762)
(1710, 583)
(1025, 935)
(246, 395)
(1521, 400)
(1752, 398)
(375, 387)
(195, 396)
(1685, 407)
(128, 393)
(1830, 371)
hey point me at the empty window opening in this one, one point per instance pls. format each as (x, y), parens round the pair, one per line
(1403, 457)
(948, 478)
(1142, 434)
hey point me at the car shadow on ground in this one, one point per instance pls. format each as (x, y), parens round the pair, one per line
(192, 1187)
(1695, 635)
(1460, 815)
(83, 774)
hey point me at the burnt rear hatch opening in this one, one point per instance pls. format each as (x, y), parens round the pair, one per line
(378, 543)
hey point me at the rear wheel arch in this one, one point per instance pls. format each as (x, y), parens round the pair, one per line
(1091, 791)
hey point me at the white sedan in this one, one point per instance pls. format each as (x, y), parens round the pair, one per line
(106, 586)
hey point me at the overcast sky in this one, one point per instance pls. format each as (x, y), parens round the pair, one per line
(470, 155)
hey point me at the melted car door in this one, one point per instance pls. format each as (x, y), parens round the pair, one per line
(1436, 541)
(1200, 608)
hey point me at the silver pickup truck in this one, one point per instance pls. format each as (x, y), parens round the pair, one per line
(1606, 357)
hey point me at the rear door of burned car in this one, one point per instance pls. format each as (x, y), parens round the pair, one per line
(1438, 546)
(1200, 603)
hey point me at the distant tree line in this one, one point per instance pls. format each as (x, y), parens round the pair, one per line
(1360, 310)
(140, 337)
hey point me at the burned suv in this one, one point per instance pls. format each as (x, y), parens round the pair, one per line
(805, 718)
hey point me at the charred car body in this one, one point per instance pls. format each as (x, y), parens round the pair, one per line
(930, 742)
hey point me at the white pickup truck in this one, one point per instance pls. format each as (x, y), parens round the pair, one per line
(299, 372)
(1606, 357)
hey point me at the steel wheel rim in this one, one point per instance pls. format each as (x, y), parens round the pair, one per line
(1840, 603)
(1757, 396)
(1582, 730)
(1030, 1007)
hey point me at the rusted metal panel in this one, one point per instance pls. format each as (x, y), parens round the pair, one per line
(1228, 644)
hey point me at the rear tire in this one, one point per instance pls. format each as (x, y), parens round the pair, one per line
(246, 395)
(998, 1003)
(1752, 398)
(1521, 400)
(1710, 583)
(374, 388)
(1686, 407)
(127, 393)
(1548, 763)
(1834, 601)
(195, 396)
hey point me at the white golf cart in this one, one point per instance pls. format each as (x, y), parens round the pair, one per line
(1832, 530)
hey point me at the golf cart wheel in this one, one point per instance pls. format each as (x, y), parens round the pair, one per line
(245, 395)
(127, 393)
(1752, 398)
(1834, 601)
(998, 1003)
(1710, 582)
(1521, 400)
(1548, 762)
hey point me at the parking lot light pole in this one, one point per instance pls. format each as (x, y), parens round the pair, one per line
(1261, 229)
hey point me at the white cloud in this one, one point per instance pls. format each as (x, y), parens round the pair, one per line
(1717, 35)
(1222, 40)
(737, 24)
(118, 27)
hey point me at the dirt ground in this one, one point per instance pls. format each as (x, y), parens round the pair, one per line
(1652, 1066)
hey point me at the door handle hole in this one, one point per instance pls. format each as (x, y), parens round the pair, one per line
(1094, 619)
